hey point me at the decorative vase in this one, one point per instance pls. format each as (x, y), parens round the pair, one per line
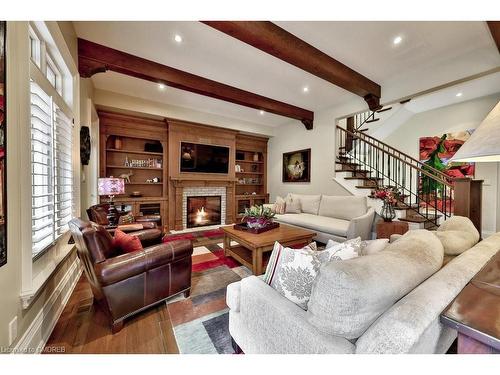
(256, 157)
(388, 213)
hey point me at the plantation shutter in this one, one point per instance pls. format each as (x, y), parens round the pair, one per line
(63, 134)
(42, 149)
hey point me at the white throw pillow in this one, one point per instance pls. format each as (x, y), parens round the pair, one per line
(292, 271)
(292, 205)
(309, 204)
(373, 246)
(343, 207)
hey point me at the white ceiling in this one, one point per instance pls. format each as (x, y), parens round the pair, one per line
(431, 53)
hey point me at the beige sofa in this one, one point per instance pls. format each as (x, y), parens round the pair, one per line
(332, 217)
(388, 302)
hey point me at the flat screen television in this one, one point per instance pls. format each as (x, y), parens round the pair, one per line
(201, 158)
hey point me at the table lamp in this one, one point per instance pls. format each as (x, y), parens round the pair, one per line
(111, 186)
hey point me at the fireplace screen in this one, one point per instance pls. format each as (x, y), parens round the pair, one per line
(203, 211)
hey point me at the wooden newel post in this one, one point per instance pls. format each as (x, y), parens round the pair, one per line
(468, 199)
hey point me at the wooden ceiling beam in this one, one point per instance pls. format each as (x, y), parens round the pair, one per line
(274, 40)
(495, 31)
(95, 58)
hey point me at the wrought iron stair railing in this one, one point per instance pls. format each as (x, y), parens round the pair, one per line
(424, 190)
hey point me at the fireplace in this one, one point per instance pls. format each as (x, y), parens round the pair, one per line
(203, 211)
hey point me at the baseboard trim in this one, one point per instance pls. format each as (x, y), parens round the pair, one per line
(36, 336)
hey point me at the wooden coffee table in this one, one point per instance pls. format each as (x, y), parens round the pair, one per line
(252, 247)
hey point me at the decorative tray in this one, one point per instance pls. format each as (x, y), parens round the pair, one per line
(244, 227)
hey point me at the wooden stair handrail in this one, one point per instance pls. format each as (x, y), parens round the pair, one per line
(421, 170)
(372, 140)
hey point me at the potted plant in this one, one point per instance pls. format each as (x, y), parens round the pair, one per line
(390, 196)
(258, 217)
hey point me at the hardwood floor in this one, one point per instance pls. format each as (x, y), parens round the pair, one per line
(84, 328)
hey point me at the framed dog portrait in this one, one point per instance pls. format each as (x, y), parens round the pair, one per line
(297, 166)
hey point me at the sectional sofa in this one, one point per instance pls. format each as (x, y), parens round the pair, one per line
(338, 218)
(388, 302)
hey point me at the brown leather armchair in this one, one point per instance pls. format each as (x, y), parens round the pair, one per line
(126, 284)
(149, 234)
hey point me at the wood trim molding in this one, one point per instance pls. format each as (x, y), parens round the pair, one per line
(95, 58)
(495, 32)
(274, 40)
(37, 334)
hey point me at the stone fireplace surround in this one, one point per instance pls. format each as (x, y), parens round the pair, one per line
(202, 191)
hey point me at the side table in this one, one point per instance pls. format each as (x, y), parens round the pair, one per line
(386, 228)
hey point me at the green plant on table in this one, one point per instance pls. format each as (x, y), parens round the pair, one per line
(258, 216)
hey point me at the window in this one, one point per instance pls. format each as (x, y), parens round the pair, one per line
(51, 153)
(34, 47)
(53, 74)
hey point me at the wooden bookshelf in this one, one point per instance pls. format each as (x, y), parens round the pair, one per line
(251, 173)
(124, 140)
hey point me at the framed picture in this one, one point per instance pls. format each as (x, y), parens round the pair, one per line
(436, 152)
(297, 166)
(3, 141)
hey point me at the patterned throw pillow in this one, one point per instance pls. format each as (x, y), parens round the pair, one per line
(279, 206)
(126, 219)
(292, 271)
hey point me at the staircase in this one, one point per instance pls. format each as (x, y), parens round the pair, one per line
(426, 197)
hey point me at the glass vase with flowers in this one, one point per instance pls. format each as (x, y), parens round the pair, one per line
(390, 196)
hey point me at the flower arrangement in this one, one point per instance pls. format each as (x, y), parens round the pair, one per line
(388, 194)
(258, 216)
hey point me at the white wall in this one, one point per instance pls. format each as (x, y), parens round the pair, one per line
(457, 117)
(89, 173)
(321, 140)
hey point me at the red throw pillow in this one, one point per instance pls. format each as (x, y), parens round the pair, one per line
(126, 243)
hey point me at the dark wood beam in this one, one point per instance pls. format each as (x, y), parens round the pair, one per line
(95, 58)
(495, 31)
(270, 38)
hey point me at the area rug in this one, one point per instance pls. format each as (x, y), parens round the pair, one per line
(201, 322)
(199, 238)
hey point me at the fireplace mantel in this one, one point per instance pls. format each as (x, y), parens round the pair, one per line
(203, 178)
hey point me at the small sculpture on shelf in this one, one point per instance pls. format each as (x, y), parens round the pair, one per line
(126, 176)
(153, 180)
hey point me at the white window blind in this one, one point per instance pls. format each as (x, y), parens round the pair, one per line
(52, 174)
(42, 214)
(63, 170)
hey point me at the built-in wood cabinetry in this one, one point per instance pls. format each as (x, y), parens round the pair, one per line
(245, 182)
(137, 147)
(251, 173)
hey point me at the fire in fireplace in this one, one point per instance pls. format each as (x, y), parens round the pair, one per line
(203, 211)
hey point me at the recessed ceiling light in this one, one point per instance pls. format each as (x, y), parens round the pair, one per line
(459, 94)
(262, 112)
(305, 89)
(397, 40)
(178, 38)
(161, 86)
